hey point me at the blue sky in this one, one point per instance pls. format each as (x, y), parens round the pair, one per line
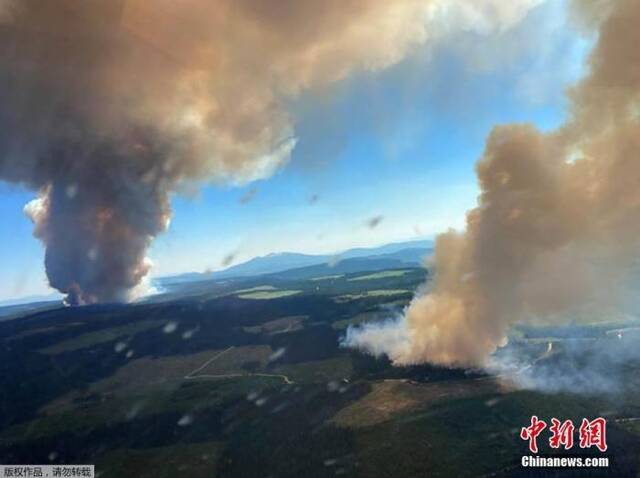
(400, 144)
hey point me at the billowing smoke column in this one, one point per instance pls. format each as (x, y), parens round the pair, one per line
(109, 105)
(556, 231)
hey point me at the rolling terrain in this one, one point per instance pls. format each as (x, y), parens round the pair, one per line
(246, 377)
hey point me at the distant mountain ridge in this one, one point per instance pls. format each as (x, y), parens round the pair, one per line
(292, 265)
(32, 299)
(346, 266)
(400, 254)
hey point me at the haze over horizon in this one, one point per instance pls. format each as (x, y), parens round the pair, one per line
(231, 262)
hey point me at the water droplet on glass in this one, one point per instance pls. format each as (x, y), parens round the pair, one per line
(277, 354)
(170, 327)
(71, 191)
(186, 420)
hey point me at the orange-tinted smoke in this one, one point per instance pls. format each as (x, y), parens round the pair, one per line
(556, 232)
(109, 105)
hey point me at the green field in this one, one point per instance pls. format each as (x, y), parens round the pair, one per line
(371, 293)
(94, 338)
(381, 275)
(257, 288)
(268, 294)
(329, 277)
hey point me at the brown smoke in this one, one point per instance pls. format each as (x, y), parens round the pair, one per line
(557, 228)
(109, 105)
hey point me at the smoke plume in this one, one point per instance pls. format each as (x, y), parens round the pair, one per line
(556, 232)
(110, 105)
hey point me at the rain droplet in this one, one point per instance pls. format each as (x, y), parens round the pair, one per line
(277, 354)
(332, 386)
(228, 259)
(189, 333)
(71, 191)
(467, 276)
(374, 222)
(135, 410)
(334, 261)
(186, 420)
(92, 254)
(119, 347)
(170, 327)
(281, 406)
(248, 196)
(492, 402)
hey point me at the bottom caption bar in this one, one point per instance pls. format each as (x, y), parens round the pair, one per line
(47, 471)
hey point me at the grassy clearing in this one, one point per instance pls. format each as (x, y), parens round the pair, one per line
(380, 275)
(371, 293)
(44, 330)
(278, 326)
(331, 371)
(391, 399)
(258, 288)
(150, 373)
(101, 336)
(335, 276)
(139, 374)
(266, 295)
(233, 360)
